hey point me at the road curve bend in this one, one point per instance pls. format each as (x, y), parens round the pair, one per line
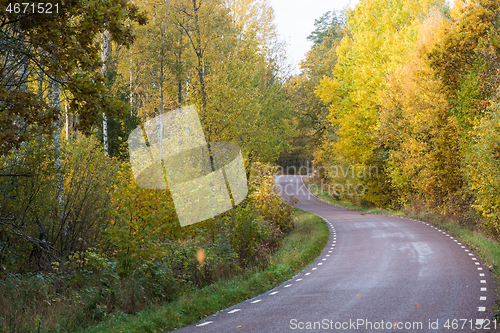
(378, 273)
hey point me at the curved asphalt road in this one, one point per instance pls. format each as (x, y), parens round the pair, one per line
(377, 271)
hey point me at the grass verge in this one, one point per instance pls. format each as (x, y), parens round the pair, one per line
(298, 250)
(477, 239)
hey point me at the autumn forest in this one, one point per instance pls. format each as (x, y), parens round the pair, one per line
(409, 88)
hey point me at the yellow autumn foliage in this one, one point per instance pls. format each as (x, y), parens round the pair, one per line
(482, 169)
(419, 132)
(379, 36)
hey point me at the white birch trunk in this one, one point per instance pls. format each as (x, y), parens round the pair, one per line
(67, 122)
(130, 83)
(55, 103)
(104, 58)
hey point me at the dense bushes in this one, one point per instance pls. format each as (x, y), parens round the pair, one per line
(81, 240)
(483, 170)
(266, 200)
(51, 202)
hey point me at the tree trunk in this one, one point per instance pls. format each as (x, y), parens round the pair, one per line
(199, 55)
(179, 83)
(130, 85)
(55, 103)
(104, 70)
(160, 132)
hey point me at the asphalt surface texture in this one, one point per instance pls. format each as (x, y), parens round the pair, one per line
(378, 273)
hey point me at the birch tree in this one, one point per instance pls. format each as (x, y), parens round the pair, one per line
(75, 27)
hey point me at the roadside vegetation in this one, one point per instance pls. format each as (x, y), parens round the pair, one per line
(399, 108)
(133, 257)
(298, 249)
(80, 242)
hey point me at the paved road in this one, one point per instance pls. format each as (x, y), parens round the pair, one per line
(377, 271)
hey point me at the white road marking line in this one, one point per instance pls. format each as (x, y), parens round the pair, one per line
(205, 323)
(235, 310)
(463, 247)
(477, 263)
(256, 301)
(288, 285)
(327, 255)
(308, 273)
(314, 268)
(471, 254)
(482, 298)
(455, 240)
(324, 259)
(273, 293)
(330, 251)
(298, 280)
(483, 289)
(481, 308)
(459, 243)
(483, 281)
(320, 263)
(466, 250)
(479, 268)
(474, 259)
(481, 274)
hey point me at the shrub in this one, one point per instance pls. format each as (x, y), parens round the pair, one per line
(266, 199)
(482, 169)
(51, 204)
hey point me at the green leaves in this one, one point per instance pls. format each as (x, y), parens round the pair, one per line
(64, 47)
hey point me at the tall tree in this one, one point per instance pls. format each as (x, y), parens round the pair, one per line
(378, 34)
(75, 26)
(420, 134)
(106, 45)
